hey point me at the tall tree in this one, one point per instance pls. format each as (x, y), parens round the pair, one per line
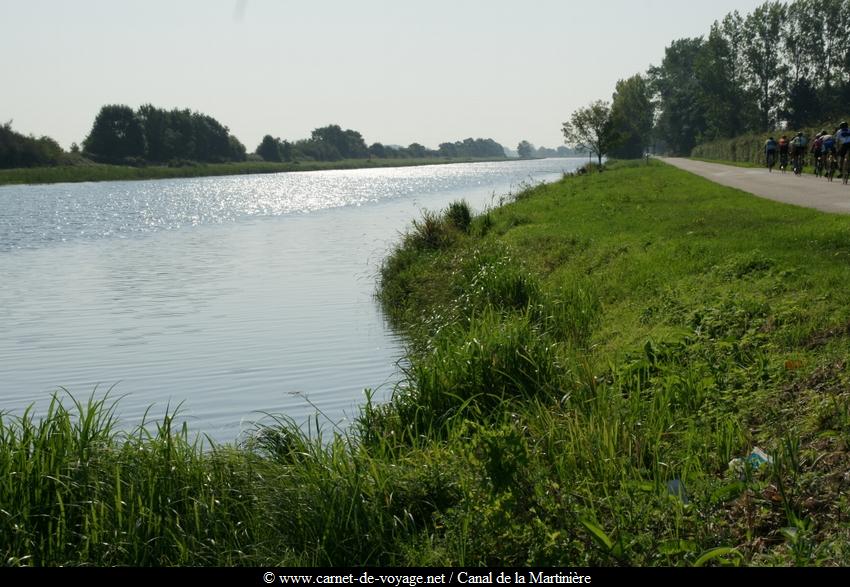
(155, 123)
(116, 135)
(237, 151)
(525, 149)
(718, 68)
(331, 143)
(763, 27)
(377, 150)
(269, 149)
(631, 114)
(416, 150)
(591, 129)
(681, 119)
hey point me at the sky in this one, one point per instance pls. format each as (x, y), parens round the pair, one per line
(397, 71)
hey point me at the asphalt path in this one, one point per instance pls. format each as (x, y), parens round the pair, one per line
(802, 190)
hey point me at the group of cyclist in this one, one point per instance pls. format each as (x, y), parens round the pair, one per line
(830, 153)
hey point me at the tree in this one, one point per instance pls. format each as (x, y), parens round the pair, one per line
(269, 149)
(332, 143)
(682, 119)
(116, 135)
(155, 122)
(237, 149)
(631, 115)
(763, 28)
(377, 150)
(416, 150)
(591, 129)
(802, 104)
(449, 150)
(17, 150)
(525, 150)
(728, 109)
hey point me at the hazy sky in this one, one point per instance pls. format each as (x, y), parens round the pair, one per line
(395, 70)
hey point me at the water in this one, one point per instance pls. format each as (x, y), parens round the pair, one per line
(232, 297)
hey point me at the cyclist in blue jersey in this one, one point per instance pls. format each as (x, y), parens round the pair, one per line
(829, 156)
(770, 148)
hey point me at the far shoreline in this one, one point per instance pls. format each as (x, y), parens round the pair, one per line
(102, 172)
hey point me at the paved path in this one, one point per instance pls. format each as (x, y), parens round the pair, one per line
(805, 190)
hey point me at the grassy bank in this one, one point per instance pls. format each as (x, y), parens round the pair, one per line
(584, 363)
(98, 172)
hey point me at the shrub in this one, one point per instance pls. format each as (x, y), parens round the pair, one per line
(459, 215)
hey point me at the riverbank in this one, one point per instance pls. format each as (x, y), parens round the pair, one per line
(100, 172)
(584, 364)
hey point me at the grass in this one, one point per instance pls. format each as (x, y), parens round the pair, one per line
(100, 172)
(585, 365)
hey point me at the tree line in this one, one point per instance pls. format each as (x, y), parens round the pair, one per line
(526, 150)
(151, 135)
(332, 143)
(785, 64)
(154, 135)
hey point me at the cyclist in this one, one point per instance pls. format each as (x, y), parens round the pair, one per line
(770, 147)
(817, 159)
(783, 153)
(842, 138)
(829, 156)
(798, 152)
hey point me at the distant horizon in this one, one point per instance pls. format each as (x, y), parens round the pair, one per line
(396, 73)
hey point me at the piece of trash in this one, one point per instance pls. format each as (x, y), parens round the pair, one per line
(755, 460)
(677, 488)
(793, 365)
(758, 458)
(738, 468)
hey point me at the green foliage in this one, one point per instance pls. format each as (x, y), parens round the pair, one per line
(592, 129)
(340, 144)
(469, 147)
(631, 116)
(681, 120)
(781, 62)
(525, 150)
(459, 215)
(121, 136)
(270, 149)
(17, 150)
(117, 134)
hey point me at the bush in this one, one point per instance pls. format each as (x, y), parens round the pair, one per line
(459, 215)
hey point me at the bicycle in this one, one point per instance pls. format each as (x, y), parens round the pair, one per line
(771, 161)
(783, 162)
(831, 166)
(818, 165)
(845, 163)
(798, 163)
